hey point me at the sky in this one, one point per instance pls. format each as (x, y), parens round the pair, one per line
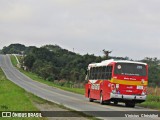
(125, 27)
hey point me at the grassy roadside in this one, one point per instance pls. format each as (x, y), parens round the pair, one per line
(13, 60)
(17, 99)
(14, 98)
(39, 79)
(151, 102)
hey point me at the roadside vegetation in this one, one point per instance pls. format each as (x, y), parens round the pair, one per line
(55, 64)
(64, 69)
(14, 98)
(13, 60)
(58, 85)
(153, 98)
(151, 102)
(67, 68)
(40, 79)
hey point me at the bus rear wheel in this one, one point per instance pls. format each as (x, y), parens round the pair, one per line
(90, 99)
(101, 99)
(115, 102)
(130, 104)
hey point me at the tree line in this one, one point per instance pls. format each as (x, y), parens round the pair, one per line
(52, 62)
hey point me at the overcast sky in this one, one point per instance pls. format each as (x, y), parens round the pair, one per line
(127, 27)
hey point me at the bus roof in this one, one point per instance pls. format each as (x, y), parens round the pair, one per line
(107, 62)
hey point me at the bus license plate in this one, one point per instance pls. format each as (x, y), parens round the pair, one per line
(140, 87)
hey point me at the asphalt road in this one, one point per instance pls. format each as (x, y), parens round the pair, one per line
(68, 99)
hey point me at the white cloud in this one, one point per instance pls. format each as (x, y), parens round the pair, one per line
(128, 27)
(15, 12)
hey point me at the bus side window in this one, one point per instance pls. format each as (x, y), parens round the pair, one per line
(93, 77)
(110, 72)
(106, 72)
(96, 71)
(99, 73)
(103, 72)
(90, 73)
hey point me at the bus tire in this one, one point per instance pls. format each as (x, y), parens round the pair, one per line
(115, 102)
(90, 99)
(130, 104)
(101, 99)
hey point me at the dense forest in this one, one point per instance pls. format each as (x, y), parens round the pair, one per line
(52, 62)
(13, 49)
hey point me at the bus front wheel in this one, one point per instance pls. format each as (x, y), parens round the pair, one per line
(130, 104)
(101, 99)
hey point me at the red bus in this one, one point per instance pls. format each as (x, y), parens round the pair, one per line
(117, 81)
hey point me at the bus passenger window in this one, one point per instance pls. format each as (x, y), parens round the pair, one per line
(103, 72)
(91, 73)
(106, 73)
(110, 72)
(100, 73)
(94, 73)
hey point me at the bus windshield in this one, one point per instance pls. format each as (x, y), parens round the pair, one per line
(130, 69)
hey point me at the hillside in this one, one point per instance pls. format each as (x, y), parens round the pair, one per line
(52, 62)
(14, 48)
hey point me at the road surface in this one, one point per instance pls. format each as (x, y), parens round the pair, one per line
(68, 99)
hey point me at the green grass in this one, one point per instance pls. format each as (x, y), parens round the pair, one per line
(42, 101)
(19, 58)
(14, 98)
(151, 102)
(39, 79)
(14, 61)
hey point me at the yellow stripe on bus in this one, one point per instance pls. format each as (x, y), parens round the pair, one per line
(128, 82)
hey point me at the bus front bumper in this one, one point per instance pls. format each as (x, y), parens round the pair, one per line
(128, 97)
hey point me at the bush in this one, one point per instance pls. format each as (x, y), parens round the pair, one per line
(51, 78)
